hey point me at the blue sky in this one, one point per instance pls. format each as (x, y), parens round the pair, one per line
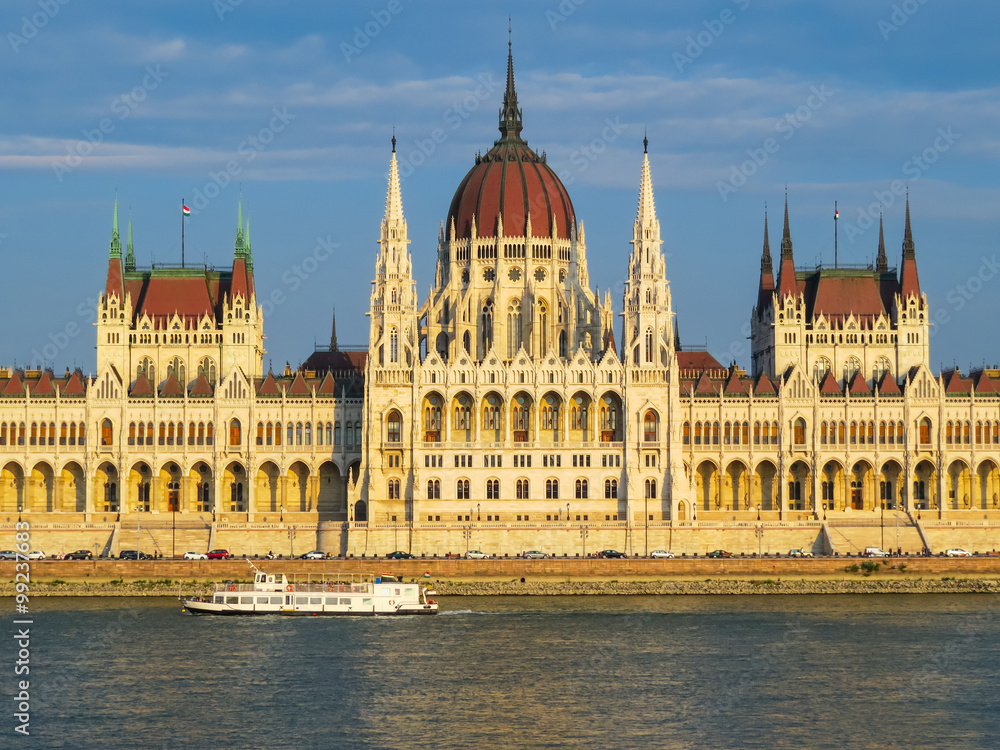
(840, 100)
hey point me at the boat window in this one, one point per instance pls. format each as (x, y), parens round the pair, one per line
(367, 602)
(346, 601)
(398, 592)
(218, 599)
(275, 600)
(263, 600)
(232, 599)
(316, 600)
(246, 600)
(331, 600)
(386, 591)
(303, 600)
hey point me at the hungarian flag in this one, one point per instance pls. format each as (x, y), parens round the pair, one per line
(836, 215)
(185, 210)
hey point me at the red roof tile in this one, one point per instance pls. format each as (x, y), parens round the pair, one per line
(202, 387)
(888, 386)
(269, 387)
(142, 387)
(74, 386)
(187, 296)
(14, 386)
(829, 385)
(173, 387)
(705, 386)
(298, 386)
(697, 361)
(735, 386)
(840, 296)
(955, 383)
(986, 385)
(328, 386)
(764, 386)
(44, 386)
(859, 386)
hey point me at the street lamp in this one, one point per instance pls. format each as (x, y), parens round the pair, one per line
(478, 516)
(138, 510)
(758, 511)
(281, 513)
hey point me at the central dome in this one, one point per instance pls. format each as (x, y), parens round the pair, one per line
(511, 181)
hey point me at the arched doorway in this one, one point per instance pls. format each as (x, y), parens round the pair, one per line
(332, 491)
(707, 486)
(41, 489)
(139, 483)
(200, 478)
(889, 488)
(360, 511)
(924, 491)
(268, 479)
(107, 489)
(763, 486)
(989, 485)
(799, 486)
(959, 489)
(297, 497)
(234, 487)
(737, 491)
(832, 486)
(73, 489)
(12, 488)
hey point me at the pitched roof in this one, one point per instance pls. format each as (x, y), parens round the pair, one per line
(955, 383)
(764, 386)
(734, 385)
(172, 387)
(697, 360)
(328, 387)
(705, 386)
(14, 386)
(74, 386)
(298, 386)
(142, 387)
(269, 387)
(859, 386)
(201, 387)
(45, 386)
(843, 292)
(829, 385)
(888, 386)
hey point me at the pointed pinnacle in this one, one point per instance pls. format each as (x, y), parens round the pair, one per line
(786, 238)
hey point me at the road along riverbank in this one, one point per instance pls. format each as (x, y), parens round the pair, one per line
(552, 577)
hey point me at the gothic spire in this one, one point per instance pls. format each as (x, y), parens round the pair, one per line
(129, 249)
(646, 214)
(765, 258)
(510, 115)
(881, 262)
(909, 280)
(116, 241)
(786, 237)
(333, 332)
(239, 248)
(394, 197)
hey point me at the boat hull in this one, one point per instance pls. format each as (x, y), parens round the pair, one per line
(227, 610)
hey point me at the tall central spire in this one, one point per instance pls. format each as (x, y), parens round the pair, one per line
(393, 196)
(510, 115)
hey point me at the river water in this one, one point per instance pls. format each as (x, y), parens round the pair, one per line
(851, 671)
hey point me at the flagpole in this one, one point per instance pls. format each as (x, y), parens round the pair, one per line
(182, 233)
(836, 215)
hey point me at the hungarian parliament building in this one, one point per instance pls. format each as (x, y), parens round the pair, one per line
(505, 411)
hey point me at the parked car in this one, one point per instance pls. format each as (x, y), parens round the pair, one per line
(956, 552)
(8, 554)
(399, 555)
(534, 554)
(474, 554)
(80, 554)
(798, 552)
(874, 552)
(314, 555)
(195, 556)
(36, 554)
(661, 553)
(611, 553)
(131, 554)
(719, 553)
(218, 554)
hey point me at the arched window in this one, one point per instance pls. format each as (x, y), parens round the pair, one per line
(146, 368)
(686, 433)
(131, 432)
(394, 489)
(551, 489)
(651, 427)
(650, 489)
(209, 434)
(487, 318)
(107, 433)
(492, 489)
(582, 489)
(522, 489)
(543, 328)
(610, 489)
(298, 433)
(336, 433)
(925, 431)
(433, 489)
(394, 426)
(235, 433)
(260, 433)
(176, 367)
(649, 344)
(800, 431)
(393, 345)
(850, 368)
(514, 328)
(206, 367)
(462, 489)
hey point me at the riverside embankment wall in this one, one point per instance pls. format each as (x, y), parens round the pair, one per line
(220, 570)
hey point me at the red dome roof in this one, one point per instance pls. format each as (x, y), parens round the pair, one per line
(510, 181)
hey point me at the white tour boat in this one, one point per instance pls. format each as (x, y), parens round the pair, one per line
(315, 594)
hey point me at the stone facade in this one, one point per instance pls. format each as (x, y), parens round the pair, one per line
(502, 412)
